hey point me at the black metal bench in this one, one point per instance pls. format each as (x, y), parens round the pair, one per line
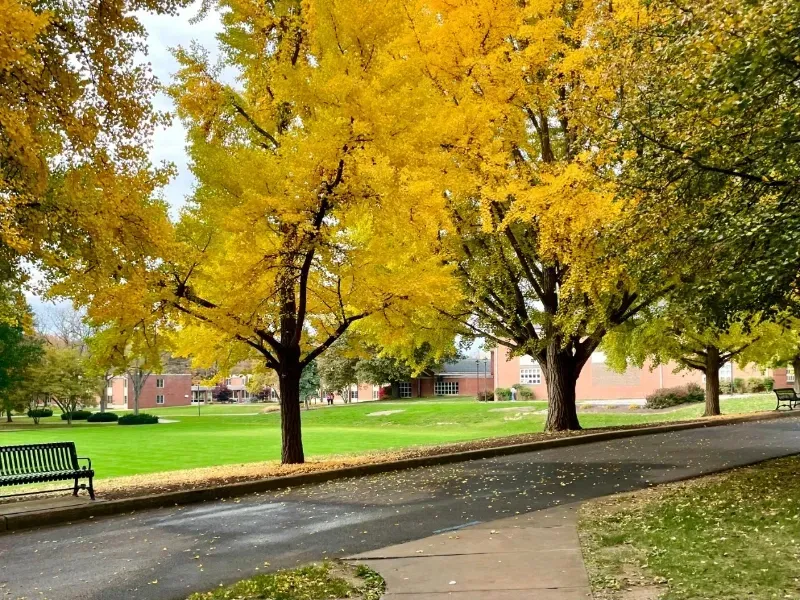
(42, 463)
(786, 397)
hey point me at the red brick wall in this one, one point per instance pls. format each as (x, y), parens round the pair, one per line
(177, 391)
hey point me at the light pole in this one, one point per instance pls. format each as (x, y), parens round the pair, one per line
(478, 378)
(485, 377)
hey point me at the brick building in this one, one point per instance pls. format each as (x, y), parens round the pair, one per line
(163, 389)
(599, 382)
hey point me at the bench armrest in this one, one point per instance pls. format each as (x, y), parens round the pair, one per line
(87, 459)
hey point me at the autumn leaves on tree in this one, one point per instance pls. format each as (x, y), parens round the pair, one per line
(412, 170)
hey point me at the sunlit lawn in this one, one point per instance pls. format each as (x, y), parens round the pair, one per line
(240, 433)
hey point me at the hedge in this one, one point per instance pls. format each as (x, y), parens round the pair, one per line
(103, 417)
(40, 413)
(667, 397)
(140, 419)
(503, 394)
(77, 415)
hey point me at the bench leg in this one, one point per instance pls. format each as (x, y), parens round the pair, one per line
(75, 490)
(91, 488)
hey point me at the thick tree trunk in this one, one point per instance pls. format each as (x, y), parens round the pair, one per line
(292, 440)
(562, 413)
(8, 416)
(796, 367)
(712, 382)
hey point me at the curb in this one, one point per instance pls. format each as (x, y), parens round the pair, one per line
(16, 522)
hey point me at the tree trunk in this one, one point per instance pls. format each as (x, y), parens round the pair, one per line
(8, 416)
(796, 367)
(712, 382)
(562, 413)
(135, 404)
(292, 440)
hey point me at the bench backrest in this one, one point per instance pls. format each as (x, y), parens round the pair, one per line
(38, 458)
(785, 394)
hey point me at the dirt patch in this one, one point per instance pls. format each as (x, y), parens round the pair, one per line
(385, 413)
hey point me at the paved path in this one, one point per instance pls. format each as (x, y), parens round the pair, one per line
(536, 555)
(164, 554)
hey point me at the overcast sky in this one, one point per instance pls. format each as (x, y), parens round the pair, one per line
(164, 33)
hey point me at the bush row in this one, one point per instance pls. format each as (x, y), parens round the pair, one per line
(103, 417)
(753, 385)
(140, 419)
(523, 393)
(683, 394)
(40, 413)
(77, 415)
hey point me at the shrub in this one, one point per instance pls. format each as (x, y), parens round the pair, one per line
(525, 393)
(485, 396)
(725, 386)
(739, 385)
(667, 397)
(769, 383)
(77, 415)
(40, 413)
(103, 417)
(140, 419)
(503, 394)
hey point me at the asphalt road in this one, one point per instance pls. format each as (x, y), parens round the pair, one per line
(166, 554)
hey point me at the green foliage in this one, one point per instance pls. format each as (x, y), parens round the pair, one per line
(76, 415)
(525, 393)
(103, 417)
(313, 582)
(503, 394)
(668, 397)
(40, 413)
(63, 378)
(140, 419)
(309, 381)
(485, 396)
(18, 355)
(739, 385)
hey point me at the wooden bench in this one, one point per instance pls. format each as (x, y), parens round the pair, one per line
(42, 463)
(786, 397)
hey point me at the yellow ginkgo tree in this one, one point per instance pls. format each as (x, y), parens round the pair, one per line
(536, 223)
(307, 217)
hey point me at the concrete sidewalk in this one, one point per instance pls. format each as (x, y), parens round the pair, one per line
(535, 556)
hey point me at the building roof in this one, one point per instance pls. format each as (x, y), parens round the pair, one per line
(466, 365)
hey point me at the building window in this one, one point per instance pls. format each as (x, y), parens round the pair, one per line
(725, 371)
(159, 383)
(404, 389)
(531, 375)
(445, 388)
(789, 374)
(160, 399)
(125, 383)
(376, 392)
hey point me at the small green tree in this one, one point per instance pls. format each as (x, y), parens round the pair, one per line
(18, 353)
(64, 379)
(666, 335)
(309, 382)
(337, 368)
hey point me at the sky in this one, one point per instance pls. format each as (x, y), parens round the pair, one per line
(165, 33)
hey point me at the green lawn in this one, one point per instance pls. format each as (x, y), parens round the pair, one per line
(725, 537)
(233, 434)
